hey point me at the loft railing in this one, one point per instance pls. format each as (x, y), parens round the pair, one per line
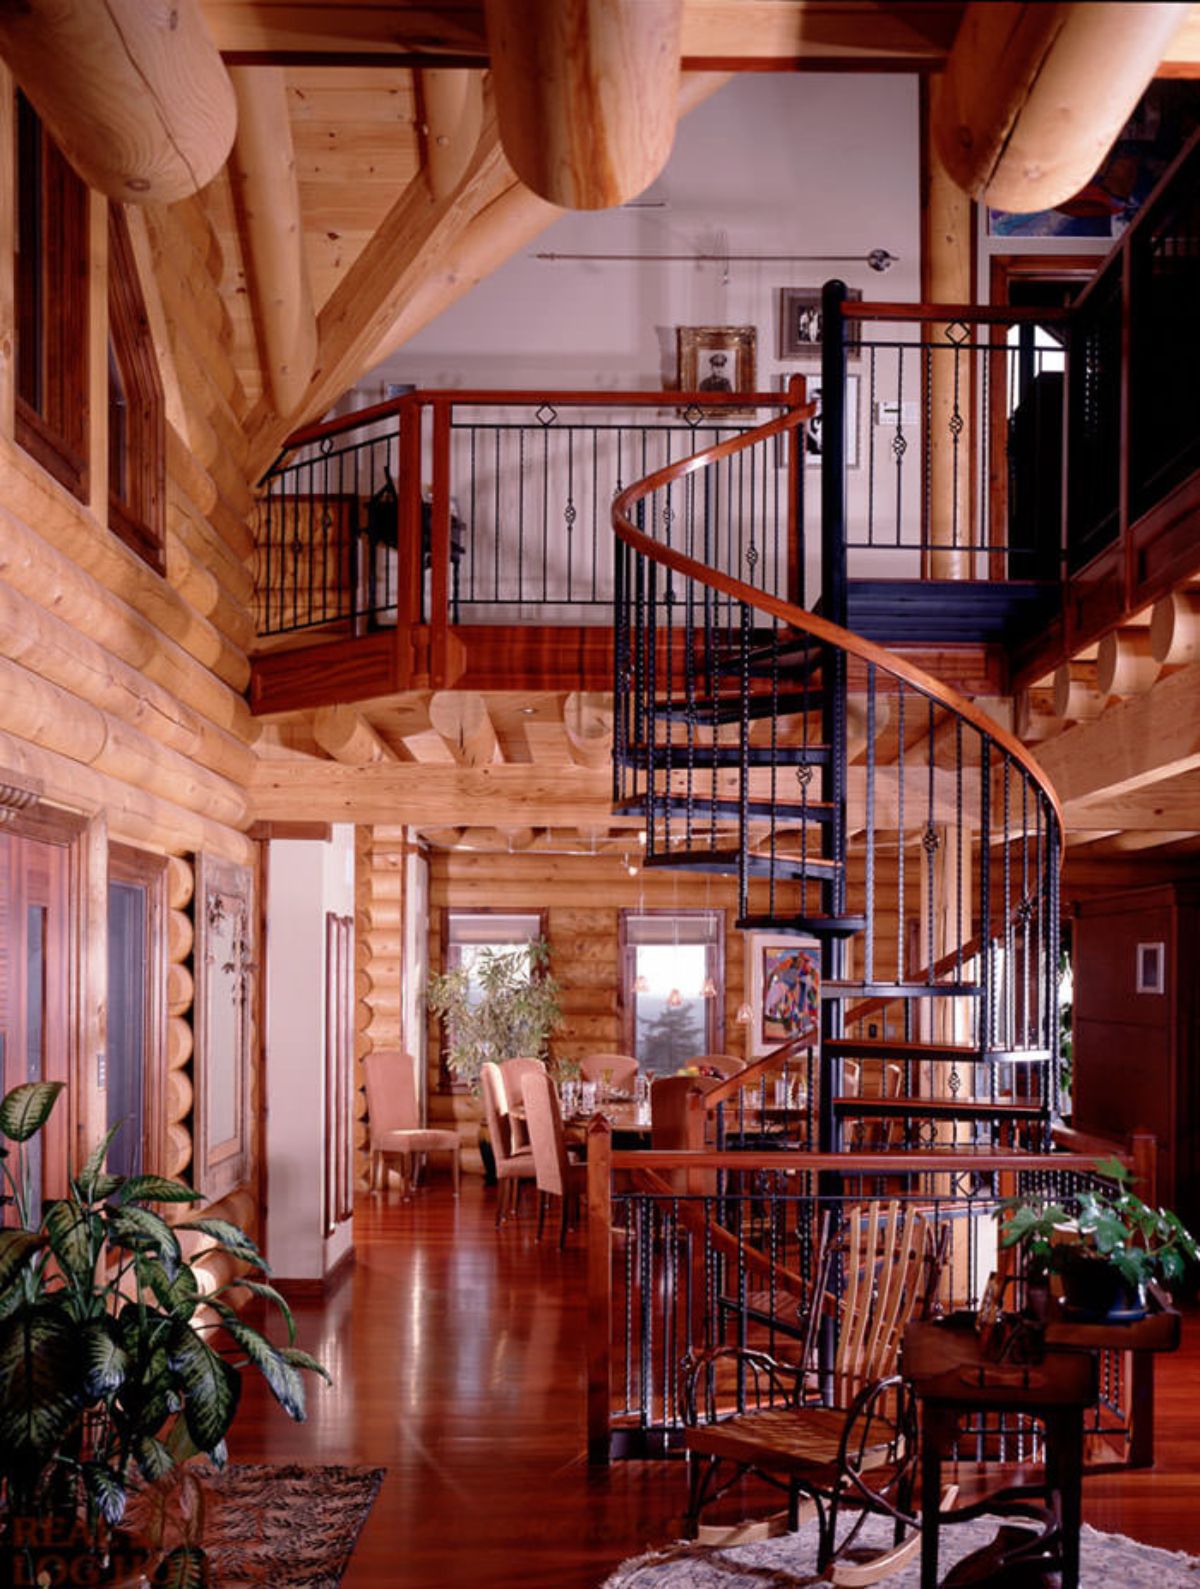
(493, 507)
(950, 457)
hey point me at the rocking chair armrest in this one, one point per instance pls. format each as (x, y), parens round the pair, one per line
(855, 1436)
(786, 1378)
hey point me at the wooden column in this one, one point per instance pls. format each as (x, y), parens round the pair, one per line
(599, 1278)
(585, 94)
(946, 278)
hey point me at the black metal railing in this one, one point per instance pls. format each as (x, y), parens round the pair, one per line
(494, 507)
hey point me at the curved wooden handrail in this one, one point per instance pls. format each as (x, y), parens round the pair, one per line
(734, 1084)
(797, 617)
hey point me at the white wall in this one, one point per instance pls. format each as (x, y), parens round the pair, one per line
(305, 879)
(771, 164)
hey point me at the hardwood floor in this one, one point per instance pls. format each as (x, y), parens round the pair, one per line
(458, 1359)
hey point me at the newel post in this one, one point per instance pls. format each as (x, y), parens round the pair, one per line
(599, 1288)
(409, 571)
(797, 397)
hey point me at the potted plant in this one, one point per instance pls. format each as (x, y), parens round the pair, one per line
(504, 1005)
(1106, 1252)
(115, 1366)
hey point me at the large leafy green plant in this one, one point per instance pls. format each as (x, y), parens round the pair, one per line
(114, 1366)
(502, 1007)
(1113, 1226)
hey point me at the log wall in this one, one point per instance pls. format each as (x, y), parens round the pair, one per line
(121, 691)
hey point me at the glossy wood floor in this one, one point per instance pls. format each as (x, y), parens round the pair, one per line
(458, 1359)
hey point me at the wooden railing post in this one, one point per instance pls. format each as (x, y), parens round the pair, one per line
(445, 653)
(1143, 1147)
(599, 1288)
(794, 585)
(409, 573)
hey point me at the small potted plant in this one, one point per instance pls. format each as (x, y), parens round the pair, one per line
(116, 1366)
(1107, 1252)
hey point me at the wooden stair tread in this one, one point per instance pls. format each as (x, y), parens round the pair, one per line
(702, 757)
(804, 926)
(757, 865)
(703, 806)
(886, 1048)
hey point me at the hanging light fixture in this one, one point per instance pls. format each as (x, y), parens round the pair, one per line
(642, 984)
(674, 999)
(709, 990)
(744, 1015)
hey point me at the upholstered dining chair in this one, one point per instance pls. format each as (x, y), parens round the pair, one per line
(514, 1166)
(558, 1175)
(514, 1072)
(613, 1070)
(396, 1132)
(723, 1064)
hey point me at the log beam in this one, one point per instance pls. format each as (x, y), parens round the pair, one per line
(1077, 695)
(265, 185)
(588, 723)
(1136, 744)
(461, 718)
(1125, 664)
(585, 94)
(450, 120)
(133, 91)
(346, 735)
(1035, 95)
(1175, 628)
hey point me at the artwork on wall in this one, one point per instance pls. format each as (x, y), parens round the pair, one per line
(716, 359)
(813, 430)
(224, 969)
(1165, 118)
(800, 323)
(783, 975)
(1151, 968)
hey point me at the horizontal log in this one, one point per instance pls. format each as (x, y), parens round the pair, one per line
(181, 990)
(134, 816)
(53, 719)
(179, 1042)
(179, 935)
(201, 590)
(32, 497)
(178, 1100)
(181, 882)
(186, 475)
(177, 1151)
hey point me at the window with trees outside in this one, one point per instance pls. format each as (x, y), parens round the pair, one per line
(468, 933)
(672, 986)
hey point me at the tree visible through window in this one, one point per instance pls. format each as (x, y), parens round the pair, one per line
(671, 986)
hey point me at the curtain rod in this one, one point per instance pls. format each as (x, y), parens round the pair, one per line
(878, 259)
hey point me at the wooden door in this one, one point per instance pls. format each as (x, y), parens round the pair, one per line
(35, 987)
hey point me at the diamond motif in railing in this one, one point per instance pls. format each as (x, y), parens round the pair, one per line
(956, 333)
(692, 415)
(546, 414)
(956, 424)
(899, 446)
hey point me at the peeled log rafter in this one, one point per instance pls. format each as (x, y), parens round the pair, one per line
(1175, 628)
(1126, 664)
(450, 119)
(263, 169)
(585, 94)
(1077, 695)
(134, 91)
(1035, 95)
(588, 720)
(461, 718)
(1035, 717)
(346, 735)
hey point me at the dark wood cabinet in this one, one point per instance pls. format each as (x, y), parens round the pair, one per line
(1135, 1018)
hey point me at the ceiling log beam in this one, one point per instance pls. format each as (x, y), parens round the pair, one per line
(133, 91)
(347, 736)
(462, 719)
(450, 120)
(263, 170)
(1035, 95)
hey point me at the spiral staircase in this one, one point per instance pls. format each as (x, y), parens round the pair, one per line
(861, 804)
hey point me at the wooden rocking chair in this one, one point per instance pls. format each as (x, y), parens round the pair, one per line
(841, 1432)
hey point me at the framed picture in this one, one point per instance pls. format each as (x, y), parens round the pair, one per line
(812, 431)
(783, 975)
(716, 359)
(800, 323)
(1151, 968)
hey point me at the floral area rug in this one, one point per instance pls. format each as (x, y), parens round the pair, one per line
(789, 1561)
(292, 1527)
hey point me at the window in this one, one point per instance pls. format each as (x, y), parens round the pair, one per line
(672, 976)
(51, 284)
(469, 933)
(136, 1049)
(136, 436)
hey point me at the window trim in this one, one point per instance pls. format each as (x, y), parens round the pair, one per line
(53, 429)
(627, 966)
(137, 514)
(447, 1081)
